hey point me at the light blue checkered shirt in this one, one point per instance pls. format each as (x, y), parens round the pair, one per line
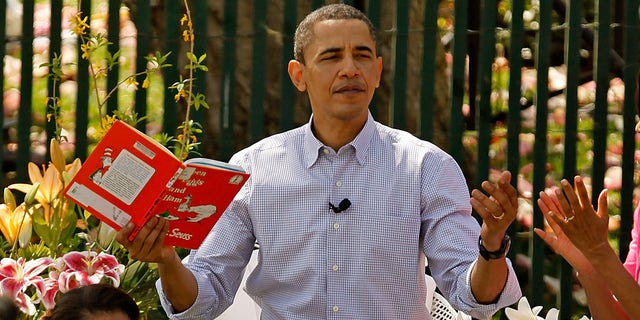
(408, 199)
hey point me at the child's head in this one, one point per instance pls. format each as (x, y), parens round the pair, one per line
(95, 302)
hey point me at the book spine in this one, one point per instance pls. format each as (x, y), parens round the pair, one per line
(175, 177)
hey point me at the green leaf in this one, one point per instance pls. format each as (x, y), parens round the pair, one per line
(41, 228)
(68, 225)
(192, 57)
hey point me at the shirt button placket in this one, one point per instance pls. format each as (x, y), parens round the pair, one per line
(335, 254)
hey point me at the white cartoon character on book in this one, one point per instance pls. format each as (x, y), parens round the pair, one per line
(107, 159)
(201, 212)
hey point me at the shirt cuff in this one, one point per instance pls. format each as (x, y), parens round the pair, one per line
(201, 308)
(510, 294)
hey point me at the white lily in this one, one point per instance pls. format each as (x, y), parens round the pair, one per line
(525, 312)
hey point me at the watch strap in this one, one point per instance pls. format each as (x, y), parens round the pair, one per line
(501, 252)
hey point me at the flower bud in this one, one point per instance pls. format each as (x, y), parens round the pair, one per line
(57, 156)
(9, 199)
(31, 195)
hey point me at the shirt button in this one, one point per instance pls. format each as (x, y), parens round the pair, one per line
(335, 267)
(335, 308)
(336, 226)
(325, 150)
(338, 183)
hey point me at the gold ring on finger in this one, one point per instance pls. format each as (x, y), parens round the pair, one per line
(498, 217)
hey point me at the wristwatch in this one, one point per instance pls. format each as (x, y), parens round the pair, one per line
(488, 255)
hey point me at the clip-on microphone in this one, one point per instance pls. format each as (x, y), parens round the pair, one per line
(343, 205)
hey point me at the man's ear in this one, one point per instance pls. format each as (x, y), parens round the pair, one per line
(379, 72)
(295, 69)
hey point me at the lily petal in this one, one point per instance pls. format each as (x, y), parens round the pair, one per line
(35, 267)
(57, 157)
(67, 281)
(51, 184)
(71, 170)
(49, 293)
(9, 268)
(11, 286)
(77, 261)
(25, 304)
(536, 310)
(34, 173)
(5, 223)
(552, 314)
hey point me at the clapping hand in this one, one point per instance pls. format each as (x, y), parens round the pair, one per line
(499, 209)
(572, 217)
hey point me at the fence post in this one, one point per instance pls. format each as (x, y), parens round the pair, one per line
(258, 67)
(287, 93)
(227, 91)
(630, 76)
(26, 92)
(513, 117)
(485, 61)
(427, 89)
(3, 32)
(542, 59)
(173, 41)
(397, 111)
(53, 87)
(113, 34)
(143, 23)
(457, 86)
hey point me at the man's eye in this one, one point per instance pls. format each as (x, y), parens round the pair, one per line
(327, 58)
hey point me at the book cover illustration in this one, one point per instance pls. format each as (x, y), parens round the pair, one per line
(193, 204)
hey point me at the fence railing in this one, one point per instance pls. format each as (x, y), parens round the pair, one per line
(460, 74)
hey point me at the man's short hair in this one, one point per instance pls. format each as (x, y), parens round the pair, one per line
(304, 31)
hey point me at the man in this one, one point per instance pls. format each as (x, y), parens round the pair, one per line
(344, 209)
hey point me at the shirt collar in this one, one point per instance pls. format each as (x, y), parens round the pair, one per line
(361, 142)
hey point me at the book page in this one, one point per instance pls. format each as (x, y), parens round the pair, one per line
(87, 197)
(126, 177)
(213, 163)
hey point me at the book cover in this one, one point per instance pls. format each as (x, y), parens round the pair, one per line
(131, 177)
(197, 199)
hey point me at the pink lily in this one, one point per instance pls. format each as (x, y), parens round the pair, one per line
(48, 289)
(84, 268)
(16, 276)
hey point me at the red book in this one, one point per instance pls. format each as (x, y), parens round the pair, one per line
(131, 177)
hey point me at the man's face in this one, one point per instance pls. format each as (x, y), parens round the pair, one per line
(341, 70)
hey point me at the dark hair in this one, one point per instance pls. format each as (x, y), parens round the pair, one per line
(80, 302)
(339, 11)
(8, 308)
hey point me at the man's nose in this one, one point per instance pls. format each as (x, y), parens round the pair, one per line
(349, 67)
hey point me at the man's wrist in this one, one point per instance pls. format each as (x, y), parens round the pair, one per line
(494, 254)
